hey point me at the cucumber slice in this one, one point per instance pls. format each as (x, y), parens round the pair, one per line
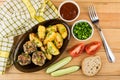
(65, 71)
(59, 64)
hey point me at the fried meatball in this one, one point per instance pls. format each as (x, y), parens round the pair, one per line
(38, 58)
(29, 47)
(24, 59)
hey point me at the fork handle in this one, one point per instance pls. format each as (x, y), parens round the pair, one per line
(109, 53)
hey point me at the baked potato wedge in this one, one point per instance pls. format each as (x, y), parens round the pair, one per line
(47, 54)
(52, 49)
(58, 40)
(49, 37)
(33, 37)
(52, 28)
(41, 32)
(62, 30)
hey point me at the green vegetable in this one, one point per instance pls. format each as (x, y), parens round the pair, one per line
(65, 71)
(82, 30)
(59, 64)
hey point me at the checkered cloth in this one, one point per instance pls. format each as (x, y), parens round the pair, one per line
(18, 16)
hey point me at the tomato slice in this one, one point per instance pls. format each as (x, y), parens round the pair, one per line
(92, 47)
(76, 50)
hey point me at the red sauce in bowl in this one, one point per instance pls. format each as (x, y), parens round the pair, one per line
(68, 11)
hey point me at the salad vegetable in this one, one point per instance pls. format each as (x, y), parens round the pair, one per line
(82, 30)
(59, 64)
(65, 71)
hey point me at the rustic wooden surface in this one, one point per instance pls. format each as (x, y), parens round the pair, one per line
(109, 14)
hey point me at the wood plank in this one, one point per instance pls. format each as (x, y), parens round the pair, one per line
(1, 2)
(107, 20)
(100, 7)
(48, 77)
(89, 1)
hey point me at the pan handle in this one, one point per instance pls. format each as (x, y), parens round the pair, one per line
(11, 56)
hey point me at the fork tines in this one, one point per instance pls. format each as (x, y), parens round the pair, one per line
(92, 13)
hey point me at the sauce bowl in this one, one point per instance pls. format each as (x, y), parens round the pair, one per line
(69, 11)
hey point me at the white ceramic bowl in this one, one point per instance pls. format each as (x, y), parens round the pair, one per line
(69, 1)
(80, 22)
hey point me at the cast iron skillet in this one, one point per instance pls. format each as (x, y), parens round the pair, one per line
(25, 37)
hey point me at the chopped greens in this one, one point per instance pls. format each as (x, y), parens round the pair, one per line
(82, 30)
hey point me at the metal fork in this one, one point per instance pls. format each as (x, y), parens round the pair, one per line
(95, 20)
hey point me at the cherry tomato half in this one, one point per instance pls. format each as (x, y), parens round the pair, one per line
(76, 50)
(92, 47)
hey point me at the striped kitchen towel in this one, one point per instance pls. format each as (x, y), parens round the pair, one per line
(18, 16)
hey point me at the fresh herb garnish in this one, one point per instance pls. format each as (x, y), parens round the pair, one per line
(82, 30)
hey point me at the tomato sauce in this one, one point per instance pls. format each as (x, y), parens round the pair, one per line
(68, 11)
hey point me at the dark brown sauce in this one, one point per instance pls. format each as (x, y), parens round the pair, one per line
(68, 11)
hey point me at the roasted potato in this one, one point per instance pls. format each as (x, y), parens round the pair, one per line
(33, 37)
(51, 48)
(52, 28)
(47, 54)
(62, 30)
(58, 40)
(49, 37)
(41, 32)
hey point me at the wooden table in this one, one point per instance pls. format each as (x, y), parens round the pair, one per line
(109, 14)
